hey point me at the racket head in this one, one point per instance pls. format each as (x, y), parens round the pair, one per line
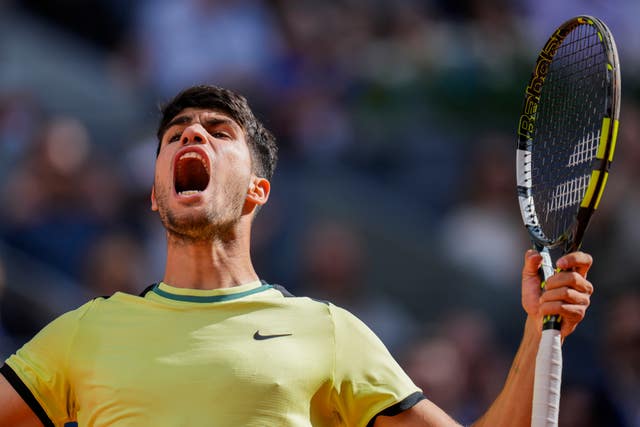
(567, 132)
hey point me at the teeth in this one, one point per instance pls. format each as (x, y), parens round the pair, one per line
(188, 192)
(195, 155)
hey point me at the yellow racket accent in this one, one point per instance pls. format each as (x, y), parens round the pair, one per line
(548, 318)
(586, 201)
(614, 138)
(604, 136)
(604, 183)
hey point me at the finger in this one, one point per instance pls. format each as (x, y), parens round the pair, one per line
(565, 295)
(572, 313)
(569, 279)
(567, 328)
(532, 262)
(576, 261)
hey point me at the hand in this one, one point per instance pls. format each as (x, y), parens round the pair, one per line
(567, 292)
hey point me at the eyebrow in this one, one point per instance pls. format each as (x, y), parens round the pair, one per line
(213, 121)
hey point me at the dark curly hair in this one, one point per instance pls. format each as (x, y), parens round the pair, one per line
(262, 144)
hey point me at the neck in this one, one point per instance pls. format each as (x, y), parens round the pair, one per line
(209, 264)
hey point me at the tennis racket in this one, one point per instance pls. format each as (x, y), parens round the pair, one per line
(566, 139)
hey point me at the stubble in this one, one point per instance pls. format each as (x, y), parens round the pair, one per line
(209, 224)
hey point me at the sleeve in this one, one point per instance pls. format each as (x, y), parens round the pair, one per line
(39, 371)
(367, 379)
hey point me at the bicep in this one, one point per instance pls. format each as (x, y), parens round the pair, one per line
(13, 410)
(422, 414)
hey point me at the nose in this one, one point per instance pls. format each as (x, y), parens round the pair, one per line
(193, 134)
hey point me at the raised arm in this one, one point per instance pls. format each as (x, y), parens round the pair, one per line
(568, 294)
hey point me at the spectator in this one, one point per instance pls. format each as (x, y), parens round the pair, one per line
(621, 355)
(235, 43)
(333, 261)
(7, 344)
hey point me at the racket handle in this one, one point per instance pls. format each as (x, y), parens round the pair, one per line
(547, 381)
(550, 321)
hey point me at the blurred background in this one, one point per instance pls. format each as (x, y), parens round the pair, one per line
(394, 196)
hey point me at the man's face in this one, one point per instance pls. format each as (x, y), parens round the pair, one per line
(203, 171)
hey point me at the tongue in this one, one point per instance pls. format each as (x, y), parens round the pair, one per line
(190, 175)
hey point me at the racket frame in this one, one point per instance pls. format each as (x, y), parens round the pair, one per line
(548, 372)
(572, 237)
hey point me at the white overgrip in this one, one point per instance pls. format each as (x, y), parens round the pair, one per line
(548, 378)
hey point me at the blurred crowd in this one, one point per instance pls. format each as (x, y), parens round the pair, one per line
(394, 196)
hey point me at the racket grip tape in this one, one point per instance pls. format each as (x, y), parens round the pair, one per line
(547, 380)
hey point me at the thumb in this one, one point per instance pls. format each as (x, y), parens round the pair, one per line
(531, 281)
(532, 263)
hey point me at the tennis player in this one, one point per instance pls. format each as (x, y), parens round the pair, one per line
(212, 344)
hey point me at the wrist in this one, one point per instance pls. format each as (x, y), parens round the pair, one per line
(533, 327)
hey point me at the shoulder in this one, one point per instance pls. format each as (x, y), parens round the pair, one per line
(299, 300)
(85, 313)
(80, 312)
(318, 310)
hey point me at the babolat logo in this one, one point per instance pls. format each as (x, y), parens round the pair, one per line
(526, 125)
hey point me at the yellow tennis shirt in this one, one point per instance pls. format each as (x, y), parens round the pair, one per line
(250, 355)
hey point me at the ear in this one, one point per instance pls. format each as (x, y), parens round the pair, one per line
(154, 203)
(258, 192)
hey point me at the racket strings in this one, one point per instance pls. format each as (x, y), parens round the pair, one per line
(568, 124)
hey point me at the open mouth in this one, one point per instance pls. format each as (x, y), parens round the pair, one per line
(191, 173)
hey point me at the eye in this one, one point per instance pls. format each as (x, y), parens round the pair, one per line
(175, 137)
(220, 135)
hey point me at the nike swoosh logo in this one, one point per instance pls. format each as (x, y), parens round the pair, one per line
(258, 336)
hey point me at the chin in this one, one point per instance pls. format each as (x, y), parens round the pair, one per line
(199, 225)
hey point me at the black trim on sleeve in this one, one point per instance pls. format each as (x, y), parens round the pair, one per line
(406, 403)
(288, 294)
(281, 289)
(147, 290)
(25, 394)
